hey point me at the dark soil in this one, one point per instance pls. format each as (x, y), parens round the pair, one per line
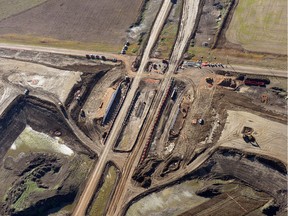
(266, 182)
(56, 174)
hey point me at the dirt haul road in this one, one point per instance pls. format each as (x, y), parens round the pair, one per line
(96, 174)
(237, 68)
(253, 70)
(125, 59)
(8, 95)
(123, 192)
(187, 26)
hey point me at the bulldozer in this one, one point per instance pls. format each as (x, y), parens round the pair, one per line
(248, 137)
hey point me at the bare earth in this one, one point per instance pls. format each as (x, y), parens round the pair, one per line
(270, 136)
(41, 77)
(175, 138)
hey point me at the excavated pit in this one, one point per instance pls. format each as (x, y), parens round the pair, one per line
(35, 178)
(224, 178)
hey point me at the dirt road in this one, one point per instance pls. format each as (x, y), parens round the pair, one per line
(96, 174)
(9, 94)
(187, 26)
(157, 28)
(255, 70)
(127, 60)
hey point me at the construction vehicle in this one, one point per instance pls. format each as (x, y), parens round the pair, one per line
(26, 92)
(256, 82)
(248, 136)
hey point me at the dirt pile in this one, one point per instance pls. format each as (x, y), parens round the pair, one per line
(227, 82)
(227, 163)
(144, 172)
(41, 172)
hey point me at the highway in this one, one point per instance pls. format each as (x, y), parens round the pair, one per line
(123, 190)
(96, 173)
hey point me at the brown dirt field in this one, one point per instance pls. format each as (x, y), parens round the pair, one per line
(151, 81)
(105, 101)
(236, 203)
(83, 21)
(271, 142)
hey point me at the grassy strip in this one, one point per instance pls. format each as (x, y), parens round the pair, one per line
(102, 197)
(169, 32)
(51, 42)
(167, 39)
(226, 56)
(23, 201)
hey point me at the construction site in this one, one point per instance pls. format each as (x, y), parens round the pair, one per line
(98, 133)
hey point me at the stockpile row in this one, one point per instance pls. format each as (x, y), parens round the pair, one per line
(108, 112)
(114, 118)
(175, 118)
(155, 124)
(130, 109)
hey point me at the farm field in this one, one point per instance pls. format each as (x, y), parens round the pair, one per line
(13, 7)
(260, 26)
(74, 21)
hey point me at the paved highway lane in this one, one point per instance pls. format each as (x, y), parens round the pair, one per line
(96, 173)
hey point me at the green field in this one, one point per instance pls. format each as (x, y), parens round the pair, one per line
(11, 7)
(237, 57)
(52, 42)
(102, 197)
(260, 25)
(24, 202)
(167, 39)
